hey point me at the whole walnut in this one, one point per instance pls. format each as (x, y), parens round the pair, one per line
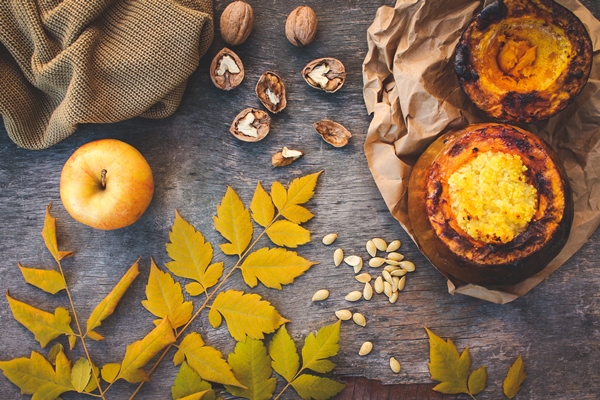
(301, 26)
(236, 22)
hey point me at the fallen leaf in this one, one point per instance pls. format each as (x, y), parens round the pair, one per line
(297, 214)
(318, 348)
(252, 367)
(514, 378)
(110, 372)
(316, 387)
(477, 380)
(49, 280)
(273, 267)
(49, 235)
(282, 350)
(81, 374)
(188, 383)
(233, 223)
(288, 234)
(279, 195)
(302, 189)
(262, 207)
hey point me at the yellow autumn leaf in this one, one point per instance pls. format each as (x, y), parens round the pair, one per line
(206, 361)
(36, 376)
(195, 396)
(273, 267)
(81, 374)
(315, 387)
(233, 223)
(94, 380)
(252, 367)
(246, 315)
(279, 195)
(282, 350)
(447, 366)
(297, 214)
(49, 235)
(288, 234)
(514, 378)
(318, 348)
(110, 372)
(44, 325)
(107, 306)
(302, 189)
(189, 383)
(165, 298)
(191, 256)
(262, 207)
(49, 280)
(139, 353)
(477, 380)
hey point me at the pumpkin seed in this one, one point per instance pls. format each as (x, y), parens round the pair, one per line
(395, 282)
(393, 297)
(338, 256)
(368, 291)
(364, 277)
(407, 265)
(389, 261)
(376, 262)
(395, 365)
(329, 239)
(398, 272)
(354, 295)
(395, 256)
(371, 249)
(387, 288)
(353, 261)
(344, 315)
(357, 268)
(359, 319)
(388, 278)
(365, 348)
(391, 268)
(320, 295)
(380, 244)
(393, 246)
(402, 283)
(378, 285)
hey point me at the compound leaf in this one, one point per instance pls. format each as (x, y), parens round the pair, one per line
(191, 256)
(81, 374)
(139, 353)
(288, 234)
(273, 267)
(233, 223)
(246, 315)
(165, 298)
(207, 361)
(316, 387)
(282, 351)
(318, 348)
(44, 325)
(49, 280)
(49, 235)
(252, 366)
(262, 207)
(107, 306)
(514, 378)
(188, 383)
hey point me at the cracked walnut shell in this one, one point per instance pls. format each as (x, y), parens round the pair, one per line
(326, 73)
(251, 125)
(226, 70)
(271, 92)
(332, 132)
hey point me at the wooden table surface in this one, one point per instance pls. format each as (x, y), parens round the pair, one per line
(555, 327)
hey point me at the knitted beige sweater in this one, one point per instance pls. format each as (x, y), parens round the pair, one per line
(66, 62)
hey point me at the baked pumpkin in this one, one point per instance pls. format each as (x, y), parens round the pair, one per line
(489, 204)
(523, 60)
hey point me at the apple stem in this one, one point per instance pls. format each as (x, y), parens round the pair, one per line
(103, 176)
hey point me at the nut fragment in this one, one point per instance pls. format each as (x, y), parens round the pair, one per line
(368, 291)
(380, 244)
(393, 246)
(301, 26)
(365, 348)
(327, 74)
(394, 365)
(338, 256)
(320, 295)
(329, 238)
(226, 70)
(371, 249)
(332, 132)
(344, 315)
(354, 295)
(271, 92)
(285, 157)
(236, 22)
(251, 125)
(359, 319)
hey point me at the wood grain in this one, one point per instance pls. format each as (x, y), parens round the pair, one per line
(556, 327)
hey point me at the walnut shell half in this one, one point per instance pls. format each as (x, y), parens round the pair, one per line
(488, 262)
(522, 60)
(326, 73)
(271, 92)
(226, 70)
(251, 125)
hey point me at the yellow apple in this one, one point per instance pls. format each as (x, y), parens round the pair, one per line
(106, 184)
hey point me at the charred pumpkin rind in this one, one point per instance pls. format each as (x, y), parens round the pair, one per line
(457, 254)
(523, 60)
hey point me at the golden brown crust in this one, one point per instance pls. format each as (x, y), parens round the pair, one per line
(449, 248)
(557, 39)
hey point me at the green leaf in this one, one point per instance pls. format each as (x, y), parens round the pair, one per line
(188, 383)
(318, 348)
(477, 380)
(514, 378)
(233, 223)
(302, 189)
(447, 366)
(205, 360)
(288, 234)
(261, 206)
(273, 267)
(316, 387)
(195, 396)
(107, 306)
(246, 315)
(53, 353)
(50, 281)
(49, 235)
(165, 298)
(110, 372)
(282, 350)
(191, 257)
(81, 374)
(139, 353)
(297, 214)
(252, 366)
(45, 326)
(36, 376)
(279, 195)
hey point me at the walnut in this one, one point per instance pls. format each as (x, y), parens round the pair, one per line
(226, 70)
(332, 132)
(301, 26)
(236, 22)
(327, 74)
(251, 125)
(271, 92)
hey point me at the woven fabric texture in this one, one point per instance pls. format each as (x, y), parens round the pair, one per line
(68, 62)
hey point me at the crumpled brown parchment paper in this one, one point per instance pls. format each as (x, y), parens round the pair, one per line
(413, 94)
